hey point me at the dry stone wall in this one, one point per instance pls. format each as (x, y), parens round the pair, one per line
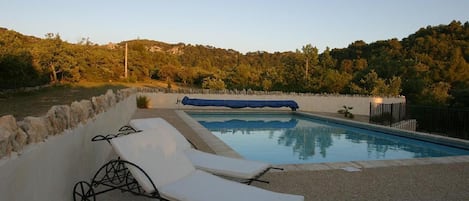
(14, 135)
(12, 138)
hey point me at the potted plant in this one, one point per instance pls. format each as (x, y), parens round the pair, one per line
(346, 111)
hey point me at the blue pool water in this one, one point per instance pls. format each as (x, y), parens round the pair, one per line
(295, 139)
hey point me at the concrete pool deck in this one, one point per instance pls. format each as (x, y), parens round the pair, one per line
(445, 178)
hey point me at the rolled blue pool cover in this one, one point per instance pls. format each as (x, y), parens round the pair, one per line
(240, 103)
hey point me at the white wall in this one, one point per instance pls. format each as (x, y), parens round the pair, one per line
(47, 171)
(309, 103)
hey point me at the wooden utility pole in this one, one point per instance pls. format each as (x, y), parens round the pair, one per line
(307, 66)
(125, 65)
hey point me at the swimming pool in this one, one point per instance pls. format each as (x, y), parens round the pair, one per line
(286, 138)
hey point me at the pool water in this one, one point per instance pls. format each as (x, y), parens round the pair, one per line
(295, 139)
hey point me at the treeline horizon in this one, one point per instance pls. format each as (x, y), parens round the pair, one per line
(429, 67)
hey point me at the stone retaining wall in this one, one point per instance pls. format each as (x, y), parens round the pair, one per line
(41, 158)
(15, 135)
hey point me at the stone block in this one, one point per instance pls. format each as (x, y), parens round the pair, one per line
(122, 94)
(119, 96)
(87, 107)
(5, 142)
(59, 118)
(110, 99)
(80, 112)
(12, 138)
(36, 128)
(76, 114)
(99, 104)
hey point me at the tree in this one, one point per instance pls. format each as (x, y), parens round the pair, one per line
(437, 94)
(460, 95)
(56, 57)
(292, 73)
(335, 81)
(394, 86)
(357, 49)
(326, 60)
(187, 75)
(369, 82)
(17, 66)
(168, 72)
(458, 70)
(360, 64)
(18, 70)
(310, 54)
(241, 76)
(372, 84)
(347, 66)
(213, 83)
(266, 84)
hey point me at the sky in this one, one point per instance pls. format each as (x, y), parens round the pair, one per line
(242, 25)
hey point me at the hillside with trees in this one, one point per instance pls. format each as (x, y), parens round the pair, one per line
(429, 67)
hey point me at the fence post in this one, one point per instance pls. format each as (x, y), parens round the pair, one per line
(381, 109)
(392, 116)
(369, 115)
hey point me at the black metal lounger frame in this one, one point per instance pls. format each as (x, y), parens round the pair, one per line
(112, 176)
(115, 175)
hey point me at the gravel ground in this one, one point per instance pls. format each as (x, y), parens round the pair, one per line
(422, 182)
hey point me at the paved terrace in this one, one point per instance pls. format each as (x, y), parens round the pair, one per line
(416, 179)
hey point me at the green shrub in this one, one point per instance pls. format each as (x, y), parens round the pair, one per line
(143, 102)
(346, 112)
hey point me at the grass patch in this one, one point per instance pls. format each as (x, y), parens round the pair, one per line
(37, 103)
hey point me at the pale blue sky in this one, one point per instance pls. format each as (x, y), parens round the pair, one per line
(242, 25)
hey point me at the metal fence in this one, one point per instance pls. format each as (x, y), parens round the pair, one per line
(387, 114)
(453, 122)
(444, 121)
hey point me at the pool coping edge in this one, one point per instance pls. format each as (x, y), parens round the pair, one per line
(220, 148)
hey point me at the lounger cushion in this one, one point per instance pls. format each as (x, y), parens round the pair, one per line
(156, 124)
(157, 155)
(227, 166)
(202, 186)
(220, 165)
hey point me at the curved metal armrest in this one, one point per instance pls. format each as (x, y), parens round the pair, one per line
(108, 137)
(128, 128)
(113, 175)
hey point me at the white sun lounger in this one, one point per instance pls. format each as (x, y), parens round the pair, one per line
(176, 178)
(231, 167)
